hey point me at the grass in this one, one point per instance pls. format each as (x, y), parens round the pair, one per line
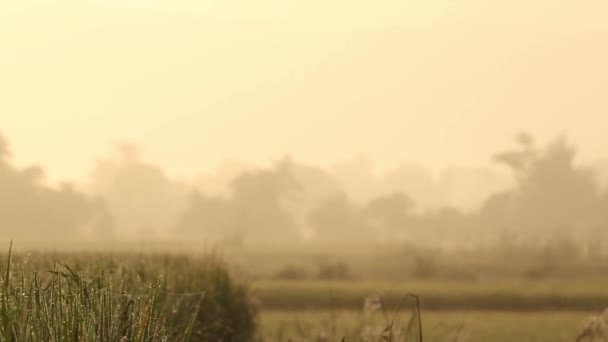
(121, 298)
(469, 326)
(496, 295)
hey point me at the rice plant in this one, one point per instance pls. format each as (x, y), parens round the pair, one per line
(126, 298)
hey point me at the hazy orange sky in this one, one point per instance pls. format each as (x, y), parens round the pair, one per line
(196, 82)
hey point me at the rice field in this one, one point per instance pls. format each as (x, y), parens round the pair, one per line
(81, 297)
(119, 296)
(376, 311)
(585, 294)
(469, 326)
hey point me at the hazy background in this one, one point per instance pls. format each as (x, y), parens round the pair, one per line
(163, 114)
(336, 154)
(198, 82)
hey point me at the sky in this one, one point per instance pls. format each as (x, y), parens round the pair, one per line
(198, 82)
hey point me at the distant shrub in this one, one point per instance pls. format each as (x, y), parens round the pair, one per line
(561, 247)
(459, 274)
(543, 270)
(334, 271)
(292, 272)
(425, 266)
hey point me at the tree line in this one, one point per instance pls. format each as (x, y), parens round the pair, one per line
(552, 197)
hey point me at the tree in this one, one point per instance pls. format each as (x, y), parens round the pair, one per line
(552, 195)
(4, 150)
(314, 186)
(416, 181)
(389, 215)
(519, 160)
(338, 220)
(257, 199)
(29, 209)
(139, 194)
(212, 218)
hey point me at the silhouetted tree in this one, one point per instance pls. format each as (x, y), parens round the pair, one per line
(257, 198)
(338, 220)
(416, 181)
(521, 159)
(441, 226)
(210, 218)
(29, 209)
(139, 195)
(552, 195)
(314, 186)
(389, 215)
(4, 150)
(357, 179)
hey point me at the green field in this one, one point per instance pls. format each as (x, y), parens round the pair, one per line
(470, 326)
(149, 296)
(491, 310)
(491, 294)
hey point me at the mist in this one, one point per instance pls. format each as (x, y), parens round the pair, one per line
(195, 84)
(269, 170)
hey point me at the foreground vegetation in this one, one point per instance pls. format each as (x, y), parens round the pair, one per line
(151, 296)
(84, 297)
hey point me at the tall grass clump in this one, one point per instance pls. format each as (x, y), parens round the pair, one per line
(122, 298)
